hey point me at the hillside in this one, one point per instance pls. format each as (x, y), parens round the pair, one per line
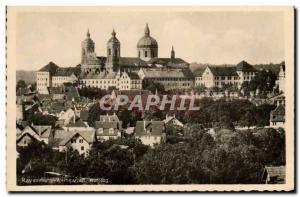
(28, 76)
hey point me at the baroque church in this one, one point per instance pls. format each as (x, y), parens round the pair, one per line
(147, 56)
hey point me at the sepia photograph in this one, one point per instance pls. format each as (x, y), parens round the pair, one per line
(150, 99)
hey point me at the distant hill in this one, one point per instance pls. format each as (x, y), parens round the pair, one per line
(28, 76)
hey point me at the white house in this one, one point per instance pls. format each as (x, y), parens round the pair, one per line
(108, 127)
(277, 117)
(173, 120)
(81, 141)
(150, 132)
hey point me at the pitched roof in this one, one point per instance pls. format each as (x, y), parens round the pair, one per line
(173, 62)
(43, 131)
(279, 110)
(133, 76)
(30, 131)
(278, 114)
(276, 172)
(109, 118)
(100, 75)
(245, 67)
(67, 71)
(149, 127)
(199, 72)
(168, 73)
(132, 61)
(50, 67)
(223, 71)
(78, 122)
(88, 136)
(106, 126)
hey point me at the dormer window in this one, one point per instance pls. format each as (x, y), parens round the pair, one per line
(100, 130)
(111, 130)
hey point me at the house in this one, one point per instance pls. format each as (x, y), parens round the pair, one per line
(66, 116)
(246, 72)
(33, 133)
(274, 175)
(77, 124)
(108, 127)
(44, 132)
(217, 76)
(277, 117)
(281, 78)
(173, 121)
(150, 132)
(170, 78)
(81, 141)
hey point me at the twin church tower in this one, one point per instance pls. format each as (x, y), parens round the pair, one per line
(147, 49)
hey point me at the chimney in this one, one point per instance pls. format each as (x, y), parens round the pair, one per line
(74, 119)
(144, 122)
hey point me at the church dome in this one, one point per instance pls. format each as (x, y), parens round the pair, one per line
(88, 41)
(147, 41)
(113, 39)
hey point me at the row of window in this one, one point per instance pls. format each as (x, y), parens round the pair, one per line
(79, 141)
(42, 79)
(42, 73)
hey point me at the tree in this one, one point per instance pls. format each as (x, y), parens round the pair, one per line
(153, 87)
(21, 84)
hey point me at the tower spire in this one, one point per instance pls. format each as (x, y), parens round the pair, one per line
(113, 33)
(88, 33)
(172, 53)
(147, 30)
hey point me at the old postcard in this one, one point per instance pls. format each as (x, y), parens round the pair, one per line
(150, 99)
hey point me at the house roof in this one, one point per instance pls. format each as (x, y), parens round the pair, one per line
(149, 127)
(50, 67)
(109, 118)
(88, 136)
(132, 61)
(278, 114)
(276, 172)
(106, 126)
(43, 131)
(199, 72)
(133, 76)
(30, 131)
(223, 71)
(168, 73)
(67, 71)
(279, 110)
(100, 75)
(78, 122)
(245, 67)
(173, 62)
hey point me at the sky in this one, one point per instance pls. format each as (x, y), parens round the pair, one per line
(205, 37)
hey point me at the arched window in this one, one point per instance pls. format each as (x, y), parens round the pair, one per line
(139, 54)
(109, 51)
(146, 54)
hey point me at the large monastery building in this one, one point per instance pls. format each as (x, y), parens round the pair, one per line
(130, 73)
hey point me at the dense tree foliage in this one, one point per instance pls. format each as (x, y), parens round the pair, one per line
(153, 87)
(263, 80)
(239, 159)
(41, 119)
